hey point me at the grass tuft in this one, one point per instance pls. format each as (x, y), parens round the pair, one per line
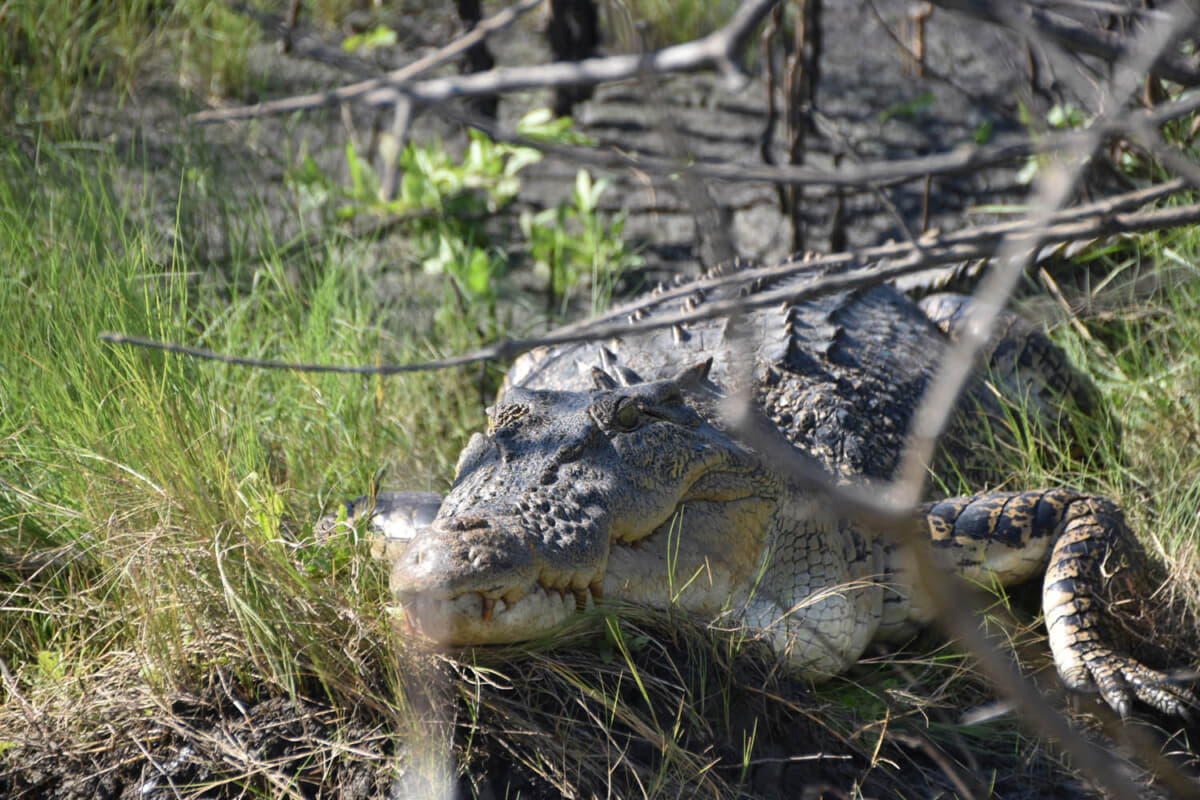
(154, 511)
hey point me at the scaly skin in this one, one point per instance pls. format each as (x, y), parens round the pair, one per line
(608, 472)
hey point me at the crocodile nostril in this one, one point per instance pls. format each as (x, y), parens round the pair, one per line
(462, 523)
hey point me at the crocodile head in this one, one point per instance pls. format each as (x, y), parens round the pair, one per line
(626, 491)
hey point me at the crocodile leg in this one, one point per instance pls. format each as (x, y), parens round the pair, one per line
(1092, 563)
(1089, 570)
(819, 598)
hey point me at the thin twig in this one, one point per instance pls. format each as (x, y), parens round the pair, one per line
(901, 260)
(460, 45)
(719, 50)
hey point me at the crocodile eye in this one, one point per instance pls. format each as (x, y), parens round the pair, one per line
(627, 416)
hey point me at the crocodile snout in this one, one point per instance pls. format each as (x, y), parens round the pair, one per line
(464, 554)
(474, 579)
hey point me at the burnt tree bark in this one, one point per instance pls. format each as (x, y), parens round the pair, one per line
(478, 58)
(574, 34)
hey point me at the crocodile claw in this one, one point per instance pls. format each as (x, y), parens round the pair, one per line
(1119, 679)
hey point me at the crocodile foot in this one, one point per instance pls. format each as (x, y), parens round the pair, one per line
(1120, 678)
(1095, 567)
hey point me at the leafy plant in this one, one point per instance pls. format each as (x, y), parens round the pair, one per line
(449, 208)
(50, 51)
(570, 241)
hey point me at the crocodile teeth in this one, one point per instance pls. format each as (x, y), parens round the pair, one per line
(486, 618)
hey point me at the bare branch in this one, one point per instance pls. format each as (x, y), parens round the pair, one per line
(865, 175)
(718, 50)
(883, 263)
(1070, 35)
(287, 105)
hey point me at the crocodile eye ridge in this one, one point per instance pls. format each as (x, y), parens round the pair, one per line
(503, 415)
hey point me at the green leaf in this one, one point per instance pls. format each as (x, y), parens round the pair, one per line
(479, 273)
(588, 192)
(583, 191)
(1028, 172)
(1065, 115)
(542, 124)
(369, 41)
(983, 132)
(537, 121)
(521, 157)
(364, 183)
(443, 261)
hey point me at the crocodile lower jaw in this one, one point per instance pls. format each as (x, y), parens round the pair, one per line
(475, 618)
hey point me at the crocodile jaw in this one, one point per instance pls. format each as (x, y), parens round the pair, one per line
(526, 600)
(477, 580)
(473, 618)
(568, 498)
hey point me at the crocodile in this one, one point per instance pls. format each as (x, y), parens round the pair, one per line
(610, 471)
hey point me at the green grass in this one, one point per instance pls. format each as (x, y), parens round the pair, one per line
(53, 55)
(159, 507)
(661, 22)
(1142, 347)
